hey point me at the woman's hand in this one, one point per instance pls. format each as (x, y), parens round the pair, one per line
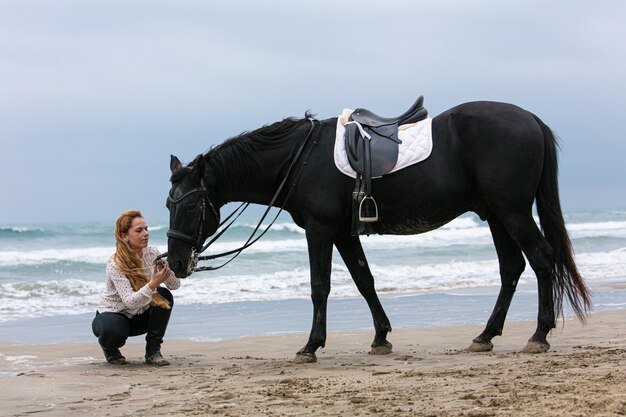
(160, 272)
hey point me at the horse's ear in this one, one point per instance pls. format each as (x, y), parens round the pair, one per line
(198, 169)
(175, 164)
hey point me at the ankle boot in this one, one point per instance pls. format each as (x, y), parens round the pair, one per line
(153, 354)
(155, 358)
(157, 324)
(114, 356)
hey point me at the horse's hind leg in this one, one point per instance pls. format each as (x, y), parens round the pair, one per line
(351, 251)
(540, 255)
(511, 267)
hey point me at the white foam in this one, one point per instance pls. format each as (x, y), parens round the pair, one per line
(74, 296)
(464, 230)
(394, 272)
(600, 229)
(276, 227)
(98, 255)
(21, 229)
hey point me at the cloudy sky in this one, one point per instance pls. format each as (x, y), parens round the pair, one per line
(95, 96)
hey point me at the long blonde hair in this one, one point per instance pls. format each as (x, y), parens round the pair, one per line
(127, 259)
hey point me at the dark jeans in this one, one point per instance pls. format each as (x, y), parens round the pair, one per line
(112, 329)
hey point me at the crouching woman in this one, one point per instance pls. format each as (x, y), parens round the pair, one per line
(133, 302)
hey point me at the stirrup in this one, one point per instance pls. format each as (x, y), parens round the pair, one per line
(368, 213)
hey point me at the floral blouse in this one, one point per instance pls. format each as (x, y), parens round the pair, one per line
(119, 296)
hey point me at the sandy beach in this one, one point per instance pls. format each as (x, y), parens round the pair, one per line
(429, 373)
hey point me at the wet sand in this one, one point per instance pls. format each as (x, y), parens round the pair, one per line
(428, 374)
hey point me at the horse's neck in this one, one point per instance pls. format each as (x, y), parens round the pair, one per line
(253, 177)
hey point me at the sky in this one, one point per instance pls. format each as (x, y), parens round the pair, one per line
(96, 95)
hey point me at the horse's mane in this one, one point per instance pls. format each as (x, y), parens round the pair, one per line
(238, 156)
(270, 134)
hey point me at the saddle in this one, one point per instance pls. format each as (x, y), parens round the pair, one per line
(372, 150)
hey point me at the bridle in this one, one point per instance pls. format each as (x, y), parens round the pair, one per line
(196, 241)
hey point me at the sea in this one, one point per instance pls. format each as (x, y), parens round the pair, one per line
(52, 274)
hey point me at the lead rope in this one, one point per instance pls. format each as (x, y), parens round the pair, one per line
(250, 240)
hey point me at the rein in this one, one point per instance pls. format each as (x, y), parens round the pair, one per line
(252, 239)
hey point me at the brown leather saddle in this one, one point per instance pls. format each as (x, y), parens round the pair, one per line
(372, 149)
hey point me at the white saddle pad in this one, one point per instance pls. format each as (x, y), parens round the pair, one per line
(417, 143)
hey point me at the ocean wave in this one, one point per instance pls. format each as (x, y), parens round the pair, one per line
(464, 232)
(48, 298)
(73, 296)
(276, 227)
(461, 231)
(77, 296)
(598, 229)
(11, 232)
(97, 255)
(285, 229)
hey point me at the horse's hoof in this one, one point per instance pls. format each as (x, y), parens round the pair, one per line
(382, 349)
(480, 347)
(536, 347)
(305, 357)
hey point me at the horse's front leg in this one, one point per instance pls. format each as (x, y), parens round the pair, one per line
(320, 258)
(351, 252)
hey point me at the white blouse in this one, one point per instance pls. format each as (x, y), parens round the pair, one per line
(119, 296)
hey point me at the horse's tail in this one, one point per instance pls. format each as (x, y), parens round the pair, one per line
(567, 279)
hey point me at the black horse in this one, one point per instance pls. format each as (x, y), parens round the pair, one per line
(493, 159)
